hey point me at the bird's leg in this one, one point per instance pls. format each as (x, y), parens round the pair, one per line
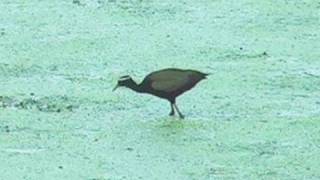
(180, 114)
(172, 110)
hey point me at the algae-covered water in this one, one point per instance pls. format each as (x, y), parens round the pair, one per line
(256, 117)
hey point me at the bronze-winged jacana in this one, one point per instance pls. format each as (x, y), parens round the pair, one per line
(166, 83)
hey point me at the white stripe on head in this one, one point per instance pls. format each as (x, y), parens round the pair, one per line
(124, 78)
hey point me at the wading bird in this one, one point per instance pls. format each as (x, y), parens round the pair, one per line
(166, 83)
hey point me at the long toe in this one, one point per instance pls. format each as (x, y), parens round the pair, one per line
(181, 116)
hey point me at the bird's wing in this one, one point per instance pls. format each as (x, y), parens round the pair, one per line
(170, 84)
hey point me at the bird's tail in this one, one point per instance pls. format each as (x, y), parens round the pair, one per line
(205, 75)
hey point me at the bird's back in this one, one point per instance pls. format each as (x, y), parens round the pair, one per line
(173, 81)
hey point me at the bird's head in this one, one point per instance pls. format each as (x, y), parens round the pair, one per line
(123, 81)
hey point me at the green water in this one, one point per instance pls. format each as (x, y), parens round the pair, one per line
(256, 117)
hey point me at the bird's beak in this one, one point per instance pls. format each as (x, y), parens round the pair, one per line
(115, 87)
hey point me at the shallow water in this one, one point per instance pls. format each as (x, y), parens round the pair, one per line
(256, 117)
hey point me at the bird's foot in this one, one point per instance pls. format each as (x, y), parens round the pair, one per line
(181, 116)
(171, 114)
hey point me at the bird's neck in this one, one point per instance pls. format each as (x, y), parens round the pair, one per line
(135, 87)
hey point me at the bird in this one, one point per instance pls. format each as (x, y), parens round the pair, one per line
(166, 83)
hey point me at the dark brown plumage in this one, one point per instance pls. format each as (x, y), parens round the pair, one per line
(166, 83)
